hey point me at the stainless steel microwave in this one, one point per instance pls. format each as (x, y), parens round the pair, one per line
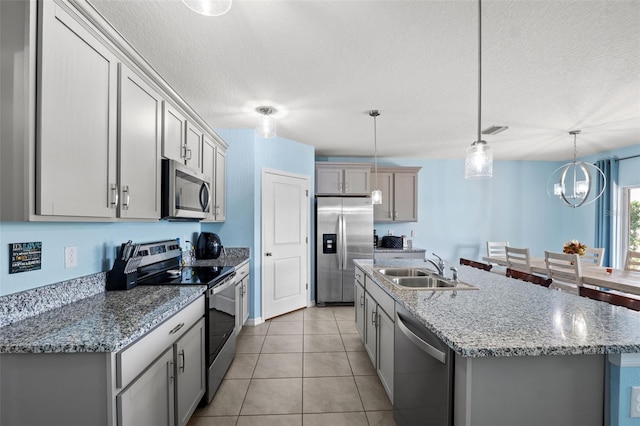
(186, 194)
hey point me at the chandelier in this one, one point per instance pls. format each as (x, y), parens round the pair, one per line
(573, 183)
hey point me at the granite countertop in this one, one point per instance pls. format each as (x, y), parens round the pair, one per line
(507, 317)
(104, 322)
(403, 250)
(232, 256)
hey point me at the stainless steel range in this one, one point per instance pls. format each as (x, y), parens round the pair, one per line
(160, 264)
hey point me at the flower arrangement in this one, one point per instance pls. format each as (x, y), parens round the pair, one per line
(574, 247)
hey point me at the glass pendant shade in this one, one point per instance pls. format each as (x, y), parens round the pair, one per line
(478, 163)
(209, 7)
(267, 128)
(376, 196)
(267, 125)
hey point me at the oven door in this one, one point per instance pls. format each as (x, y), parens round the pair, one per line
(221, 316)
(186, 194)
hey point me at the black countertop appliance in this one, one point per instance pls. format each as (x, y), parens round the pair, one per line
(208, 246)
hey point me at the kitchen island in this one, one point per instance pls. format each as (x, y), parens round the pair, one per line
(524, 354)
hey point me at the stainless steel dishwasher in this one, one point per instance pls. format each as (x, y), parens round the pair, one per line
(423, 375)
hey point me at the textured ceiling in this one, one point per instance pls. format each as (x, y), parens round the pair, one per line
(548, 67)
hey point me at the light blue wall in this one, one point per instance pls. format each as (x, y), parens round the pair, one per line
(96, 243)
(247, 157)
(621, 380)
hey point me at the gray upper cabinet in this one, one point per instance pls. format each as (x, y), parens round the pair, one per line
(399, 186)
(76, 141)
(220, 206)
(193, 147)
(91, 120)
(139, 113)
(173, 133)
(343, 178)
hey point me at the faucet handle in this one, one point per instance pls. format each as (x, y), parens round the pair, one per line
(454, 272)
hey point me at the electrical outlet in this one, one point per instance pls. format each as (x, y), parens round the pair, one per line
(413, 232)
(390, 233)
(635, 401)
(70, 257)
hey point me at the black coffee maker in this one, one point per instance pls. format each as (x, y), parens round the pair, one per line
(208, 246)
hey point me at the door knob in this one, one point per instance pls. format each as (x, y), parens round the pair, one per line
(268, 253)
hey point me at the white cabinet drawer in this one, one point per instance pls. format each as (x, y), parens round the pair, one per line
(242, 270)
(131, 361)
(383, 299)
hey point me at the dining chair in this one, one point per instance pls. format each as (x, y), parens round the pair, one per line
(613, 298)
(518, 258)
(535, 279)
(474, 264)
(593, 256)
(565, 270)
(632, 263)
(497, 248)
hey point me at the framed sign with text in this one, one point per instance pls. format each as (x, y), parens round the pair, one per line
(25, 257)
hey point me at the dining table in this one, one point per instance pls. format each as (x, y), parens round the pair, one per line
(617, 279)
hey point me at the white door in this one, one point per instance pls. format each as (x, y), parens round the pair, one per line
(285, 248)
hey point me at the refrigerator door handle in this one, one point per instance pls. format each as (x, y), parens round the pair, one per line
(344, 243)
(339, 246)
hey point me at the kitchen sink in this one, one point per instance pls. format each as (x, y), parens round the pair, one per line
(420, 279)
(402, 272)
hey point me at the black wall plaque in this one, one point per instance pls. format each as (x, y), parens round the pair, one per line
(25, 257)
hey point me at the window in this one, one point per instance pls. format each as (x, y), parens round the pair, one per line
(630, 221)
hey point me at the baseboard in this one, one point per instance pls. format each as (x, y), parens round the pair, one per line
(254, 321)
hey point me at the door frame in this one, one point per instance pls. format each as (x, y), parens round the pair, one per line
(307, 179)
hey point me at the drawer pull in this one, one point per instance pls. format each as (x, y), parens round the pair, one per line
(176, 328)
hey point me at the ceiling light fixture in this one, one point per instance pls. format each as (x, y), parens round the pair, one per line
(267, 126)
(376, 194)
(478, 163)
(581, 177)
(209, 7)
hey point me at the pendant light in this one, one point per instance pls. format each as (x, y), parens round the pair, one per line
(478, 163)
(209, 7)
(376, 194)
(267, 126)
(573, 182)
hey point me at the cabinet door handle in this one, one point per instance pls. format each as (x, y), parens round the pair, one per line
(114, 196)
(127, 197)
(373, 318)
(170, 371)
(362, 300)
(188, 154)
(176, 328)
(340, 187)
(395, 215)
(346, 187)
(183, 361)
(183, 151)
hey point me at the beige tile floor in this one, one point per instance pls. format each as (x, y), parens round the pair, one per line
(307, 368)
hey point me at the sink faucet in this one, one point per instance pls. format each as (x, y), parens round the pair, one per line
(454, 272)
(440, 266)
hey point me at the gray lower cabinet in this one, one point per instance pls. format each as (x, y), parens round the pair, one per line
(375, 317)
(359, 302)
(149, 400)
(242, 295)
(189, 354)
(157, 380)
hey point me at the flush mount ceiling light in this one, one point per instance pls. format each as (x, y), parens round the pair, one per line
(209, 7)
(267, 126)
(573, 183)
(376, 194)
(478, 163)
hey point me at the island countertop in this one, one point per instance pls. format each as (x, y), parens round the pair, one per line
(105, 322)
(507, 317)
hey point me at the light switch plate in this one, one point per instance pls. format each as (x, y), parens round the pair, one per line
(70, 257)
(635, 401)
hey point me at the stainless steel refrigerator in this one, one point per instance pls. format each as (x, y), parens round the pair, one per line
(344, 232)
